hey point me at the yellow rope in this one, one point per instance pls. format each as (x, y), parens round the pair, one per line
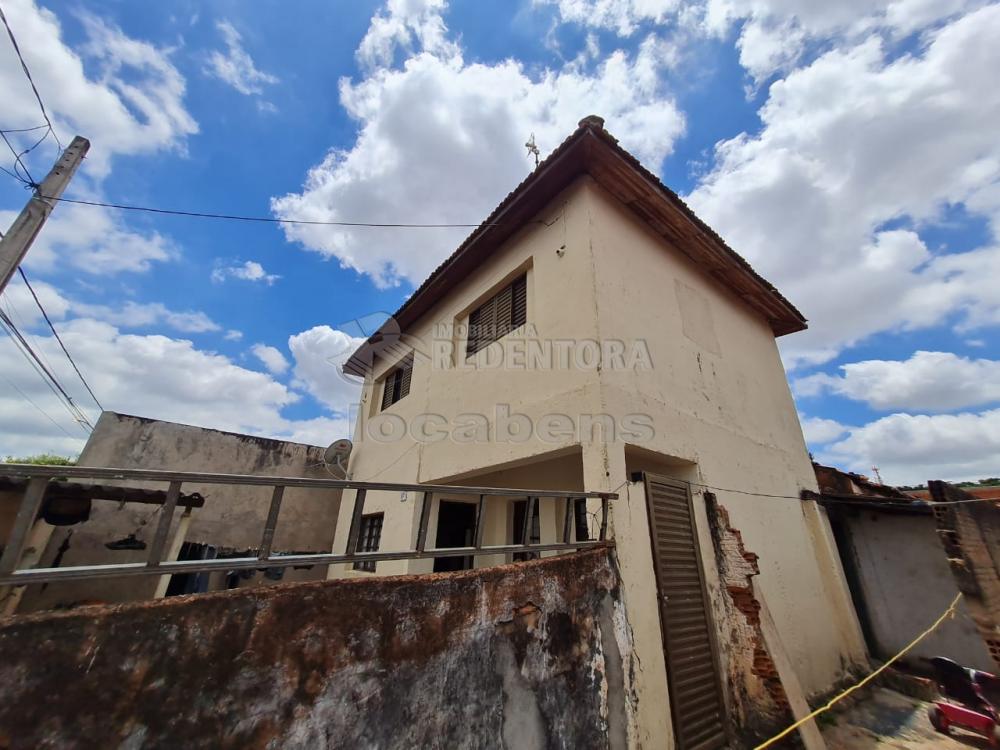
(947, 613)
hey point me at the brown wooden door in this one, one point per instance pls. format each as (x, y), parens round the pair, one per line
(688, 637)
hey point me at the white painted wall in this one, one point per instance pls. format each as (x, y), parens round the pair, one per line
(717, 395)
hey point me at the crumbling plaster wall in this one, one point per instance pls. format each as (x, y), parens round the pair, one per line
(533, 655)
(970, 532)
(233, 516)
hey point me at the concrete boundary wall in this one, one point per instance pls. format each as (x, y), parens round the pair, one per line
(533, 655)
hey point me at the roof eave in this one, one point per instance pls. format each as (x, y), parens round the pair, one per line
(592, 150)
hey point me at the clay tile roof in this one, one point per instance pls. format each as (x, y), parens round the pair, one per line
(592, 150)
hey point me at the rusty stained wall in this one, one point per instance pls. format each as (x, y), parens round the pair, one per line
(520, 656)
(756, 697)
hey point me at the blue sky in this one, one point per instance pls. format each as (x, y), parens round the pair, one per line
(846, 151)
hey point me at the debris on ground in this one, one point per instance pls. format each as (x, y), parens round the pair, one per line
(886, 719)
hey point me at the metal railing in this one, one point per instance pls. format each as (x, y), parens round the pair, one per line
(39, 476)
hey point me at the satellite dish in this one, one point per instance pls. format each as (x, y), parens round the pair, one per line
(337, 454)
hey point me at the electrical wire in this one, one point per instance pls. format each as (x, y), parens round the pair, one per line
(27, 73)
(24, 130)
(950, 612)
(28, 180)
(44, 413)
(52, 388)
(263, 219)
(49, 377)
(56, 334)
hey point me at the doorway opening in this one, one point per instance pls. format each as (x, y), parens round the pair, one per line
(534, 532)
(456, 528)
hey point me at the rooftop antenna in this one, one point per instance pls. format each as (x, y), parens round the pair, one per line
(532, 148)
(877, 475)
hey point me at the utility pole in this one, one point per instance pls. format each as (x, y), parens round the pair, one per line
(26, 226)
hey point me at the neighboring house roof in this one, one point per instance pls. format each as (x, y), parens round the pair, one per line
(985, 493)
(592, 150)
(845, 489)
(833, 481)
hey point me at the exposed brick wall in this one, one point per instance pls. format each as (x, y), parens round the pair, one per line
(970, 534)
(533, 655)
(757, 695)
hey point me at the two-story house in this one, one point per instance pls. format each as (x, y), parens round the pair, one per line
(594, 335)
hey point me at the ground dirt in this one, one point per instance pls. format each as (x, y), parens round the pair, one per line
(886, 719)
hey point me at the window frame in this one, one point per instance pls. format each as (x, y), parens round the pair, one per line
(369, 539)
(501, 313)
(396, 382)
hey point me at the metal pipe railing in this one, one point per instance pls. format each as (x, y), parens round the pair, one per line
(38, 477)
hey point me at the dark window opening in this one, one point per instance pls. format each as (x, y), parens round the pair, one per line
(520, 511)
(498, 316)
(456, 528)
(580, 516)
(397, 383)
(368, 539)
(192, 583)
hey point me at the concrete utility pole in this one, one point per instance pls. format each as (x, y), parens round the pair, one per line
(26, 226)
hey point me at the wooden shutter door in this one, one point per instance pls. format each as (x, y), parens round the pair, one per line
(688, 639)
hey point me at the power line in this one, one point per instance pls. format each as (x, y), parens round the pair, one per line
(56, 334)
(17, 162)
(24, 130)
(48, 376)
(40, 409)
(27, 73)
(262, 219)
(40, 374)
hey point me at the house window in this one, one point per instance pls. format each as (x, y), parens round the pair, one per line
(397, 383)
(498, 316)
(580, 516)
(368, 539)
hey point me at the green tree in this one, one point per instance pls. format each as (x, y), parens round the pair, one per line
(42, 459)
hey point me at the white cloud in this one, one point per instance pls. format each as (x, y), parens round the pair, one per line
(147, 314)
(410, 24)
(818, 431)
(927, 381)
(271, 358)
(153, 376)
(249, 270)
(94, 240)
(910, 449)
(850, 142)
(621, 16)
(233, 335)
(235, 66)
(124, 93)
(130, 315)
(319, 353)
(459, 127)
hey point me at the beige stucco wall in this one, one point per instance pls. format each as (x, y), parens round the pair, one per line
(717, 396)
(232, 516)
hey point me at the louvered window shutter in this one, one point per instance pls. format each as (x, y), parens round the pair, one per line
(405, 373)
(503, 307)
(519, 302)
(387, 389)
(498, 316)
